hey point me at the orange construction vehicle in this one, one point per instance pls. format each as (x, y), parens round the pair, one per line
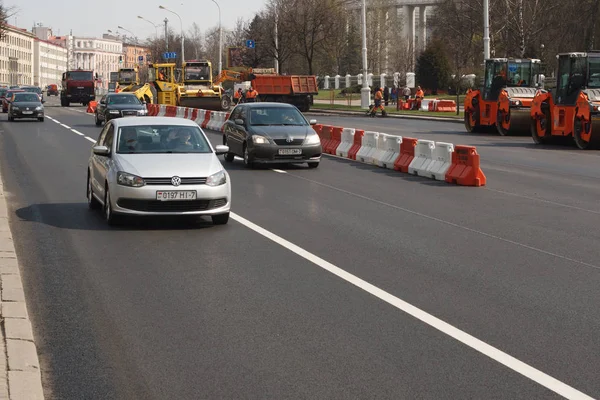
(504, 102)
(573, 107)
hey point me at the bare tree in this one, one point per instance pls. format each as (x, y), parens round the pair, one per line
(193, 42)
(5, 14)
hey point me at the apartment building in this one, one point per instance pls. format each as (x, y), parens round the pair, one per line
(16, 56)
(49, 62)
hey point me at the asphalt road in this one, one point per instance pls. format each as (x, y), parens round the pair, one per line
(181, 309)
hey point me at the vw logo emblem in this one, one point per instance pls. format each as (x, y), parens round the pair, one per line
(176, 181)
(289, 139)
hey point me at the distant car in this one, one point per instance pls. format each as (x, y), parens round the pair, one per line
(271, 133)
(25, 105)
(7, 97)
(52, 90)
(157, 166)
(34, 89)
(117, 105)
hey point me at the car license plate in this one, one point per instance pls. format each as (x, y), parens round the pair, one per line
(171, 195)
(27, 112)
(290, 152)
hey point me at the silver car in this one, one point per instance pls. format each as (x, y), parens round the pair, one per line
(157, 166)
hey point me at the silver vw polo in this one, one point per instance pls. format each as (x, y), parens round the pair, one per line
(157, 166)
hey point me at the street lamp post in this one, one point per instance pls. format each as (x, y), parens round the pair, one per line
(365, 92)
(153, 24)
(486, 29)
(182, 37)
(220, 39)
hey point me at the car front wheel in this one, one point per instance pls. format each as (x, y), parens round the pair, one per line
(111, 218)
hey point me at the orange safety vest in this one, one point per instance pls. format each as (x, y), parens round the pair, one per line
(378, 95)
(419, 94)
(250, 94)
(237, 95)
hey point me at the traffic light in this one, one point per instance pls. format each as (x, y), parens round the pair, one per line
(120, 59)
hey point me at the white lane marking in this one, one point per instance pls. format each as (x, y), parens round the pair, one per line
(542, 200)
(406, 210)
(77, 132)
(463, 337)
(58, 122)
(280, 171)
(66, 126)
(90, 139)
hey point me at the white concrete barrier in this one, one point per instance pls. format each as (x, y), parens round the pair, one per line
(162, 111)
(346, 143)
(425, 105)
(442, 160)
(392, 151)
(367, 147)
(423, 157)
(380, 150)
(180, 112)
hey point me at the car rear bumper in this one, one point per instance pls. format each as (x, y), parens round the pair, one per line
(269, 154)
(142, 201)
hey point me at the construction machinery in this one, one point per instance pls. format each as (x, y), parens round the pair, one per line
(128, 81)
(504, 102)
(199, 90)
(572, 109)
(162, 78)
(293, 89)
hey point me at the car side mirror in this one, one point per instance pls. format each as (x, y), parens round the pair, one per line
(101, 150)
(221, 149)
(312, 121)
(239, 122)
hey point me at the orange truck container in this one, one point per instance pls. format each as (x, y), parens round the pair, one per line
(294, 89)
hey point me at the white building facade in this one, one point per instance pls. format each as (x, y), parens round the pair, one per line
(16, 57)
(49, 62)
(99, 55)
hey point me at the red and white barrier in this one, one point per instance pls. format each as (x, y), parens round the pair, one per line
(379, 152)
(392, 151)
(423, 157)
(346, 143)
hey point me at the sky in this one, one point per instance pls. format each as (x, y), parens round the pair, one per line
(95, 18)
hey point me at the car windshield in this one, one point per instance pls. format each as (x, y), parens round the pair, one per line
(80, 76)
(123, 100)
(33, 89)
(22, 97)
(276, 116)
(197, 73)
(161, 139)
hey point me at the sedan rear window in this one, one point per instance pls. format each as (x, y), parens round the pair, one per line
(146, 139)
(19, 97)
(276, 116)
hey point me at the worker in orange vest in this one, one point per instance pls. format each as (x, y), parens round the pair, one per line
(251, 95)
(237, 96)
(419, 95)
(378, 103)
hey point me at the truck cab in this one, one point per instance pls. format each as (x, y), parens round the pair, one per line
(78, 86)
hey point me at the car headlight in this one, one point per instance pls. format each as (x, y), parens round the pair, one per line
(313, 139)
(217, 179)
(125, 179)
(142, 112)
(256, 139)
(113, 112)
(39, 108)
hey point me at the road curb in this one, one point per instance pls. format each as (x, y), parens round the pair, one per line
(362, 114)
(20, 374)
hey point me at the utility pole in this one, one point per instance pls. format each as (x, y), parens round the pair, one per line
(365, 92)
(166, 34)
(486, 29)
(276, 45)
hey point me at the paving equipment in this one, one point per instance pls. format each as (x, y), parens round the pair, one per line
(162, 77)
(504, 102)
(128, 80)
(199, 90)
(572, 109)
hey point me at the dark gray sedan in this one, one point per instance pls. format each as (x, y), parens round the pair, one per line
(25, 105)
(271, 133)
(117, 105)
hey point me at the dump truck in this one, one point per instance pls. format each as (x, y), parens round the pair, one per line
(572, 108)
(293, 89)
(503, 104)
(128, 81)
(78, 86)
(199, 90)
